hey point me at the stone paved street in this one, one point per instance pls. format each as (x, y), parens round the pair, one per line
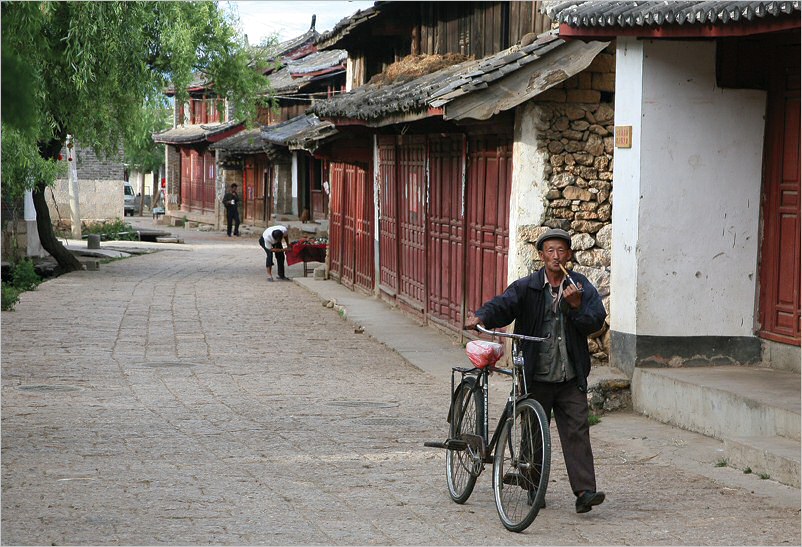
(178, 398)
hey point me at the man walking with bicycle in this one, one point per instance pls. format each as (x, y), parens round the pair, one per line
(567, 308)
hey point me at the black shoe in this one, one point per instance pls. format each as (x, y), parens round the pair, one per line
(586, 501)
(282, 278)
(236, 235)
(530, 499)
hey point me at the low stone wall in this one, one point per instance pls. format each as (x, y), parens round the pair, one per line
(97, 200)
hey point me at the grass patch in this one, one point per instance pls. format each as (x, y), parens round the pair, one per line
(111, 229)
(764, 476)
(747, 470)
(721, 463)
(593, 419)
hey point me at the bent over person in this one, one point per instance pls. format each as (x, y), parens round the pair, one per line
(567, 308)
(270, 241)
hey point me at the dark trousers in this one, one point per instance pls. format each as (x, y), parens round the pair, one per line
(571, 415)
(232, 216)
(269, 259)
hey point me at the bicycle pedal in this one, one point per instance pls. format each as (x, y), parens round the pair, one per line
(434, 444)
(514, 478)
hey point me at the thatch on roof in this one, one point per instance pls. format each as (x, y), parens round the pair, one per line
(415, 66)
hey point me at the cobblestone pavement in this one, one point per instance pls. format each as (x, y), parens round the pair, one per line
(179, 398)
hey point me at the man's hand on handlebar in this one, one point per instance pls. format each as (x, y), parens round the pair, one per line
(471, 322)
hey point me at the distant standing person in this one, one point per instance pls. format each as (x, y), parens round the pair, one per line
(270, 241)
(232, 200)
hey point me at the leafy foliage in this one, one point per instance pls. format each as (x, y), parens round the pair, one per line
(23, 278)
(93, 69)
(23, 165)
(115, 229)
(10, 296)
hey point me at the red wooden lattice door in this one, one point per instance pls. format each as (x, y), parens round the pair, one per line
(780, 253)
(363, 221)
(209, 179)
(446, 223)
(388, 230)
(487, 212)
(348, 227)
(248, 191)
(412, 186)
(195, 181)
(186, 175)
(336, 218)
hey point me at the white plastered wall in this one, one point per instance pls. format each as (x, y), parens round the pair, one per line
(295, 184)
(529, 187)
(687, 195)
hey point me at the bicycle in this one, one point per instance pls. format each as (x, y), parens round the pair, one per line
(520, 448)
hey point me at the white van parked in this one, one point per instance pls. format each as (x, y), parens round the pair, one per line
(129, 199)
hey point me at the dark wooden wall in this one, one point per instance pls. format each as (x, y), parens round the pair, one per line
(475, 28)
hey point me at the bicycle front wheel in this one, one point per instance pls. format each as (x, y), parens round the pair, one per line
(467, 416)
(521, 466)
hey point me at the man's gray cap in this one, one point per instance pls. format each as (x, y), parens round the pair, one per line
(553, 233)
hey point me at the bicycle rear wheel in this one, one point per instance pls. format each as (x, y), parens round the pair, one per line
(467, 416)
(521, 466)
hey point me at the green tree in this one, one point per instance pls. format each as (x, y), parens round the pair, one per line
(90, 69)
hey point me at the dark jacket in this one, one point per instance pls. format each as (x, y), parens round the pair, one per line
(227, 200)
(524, 302)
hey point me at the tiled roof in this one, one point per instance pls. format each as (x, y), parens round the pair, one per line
(299, 72)
(596, 13)
(193, 133)
(372, 102)
(346, 25)
(299, 132)
(244, 142)
(288, 48)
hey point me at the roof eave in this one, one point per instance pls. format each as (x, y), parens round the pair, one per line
(683, 31)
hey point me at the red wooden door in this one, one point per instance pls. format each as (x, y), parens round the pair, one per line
(196, 181)
(780, 252)
(487, 212)
(412, 184)
(446, 223)
(336, 218)
(347, 253)
(186, 178)
(363, 246)
(388, 226)
(209, 182)
(248, 194)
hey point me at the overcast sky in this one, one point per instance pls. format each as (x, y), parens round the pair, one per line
(260, 18)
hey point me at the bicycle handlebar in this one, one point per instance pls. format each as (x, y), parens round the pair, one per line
(512, 335)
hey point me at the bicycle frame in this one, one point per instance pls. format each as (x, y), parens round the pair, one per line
(482, 375)
(520, 469)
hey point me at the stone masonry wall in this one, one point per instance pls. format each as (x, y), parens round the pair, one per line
(575, 128)
(97, 199)
(100, 188)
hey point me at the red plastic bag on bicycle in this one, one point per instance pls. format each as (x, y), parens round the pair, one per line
(483, 353)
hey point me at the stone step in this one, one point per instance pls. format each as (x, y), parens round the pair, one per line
(777, 457)
(721, 401)
(755, 411)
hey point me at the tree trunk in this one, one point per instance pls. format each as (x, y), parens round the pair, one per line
(65, 259)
